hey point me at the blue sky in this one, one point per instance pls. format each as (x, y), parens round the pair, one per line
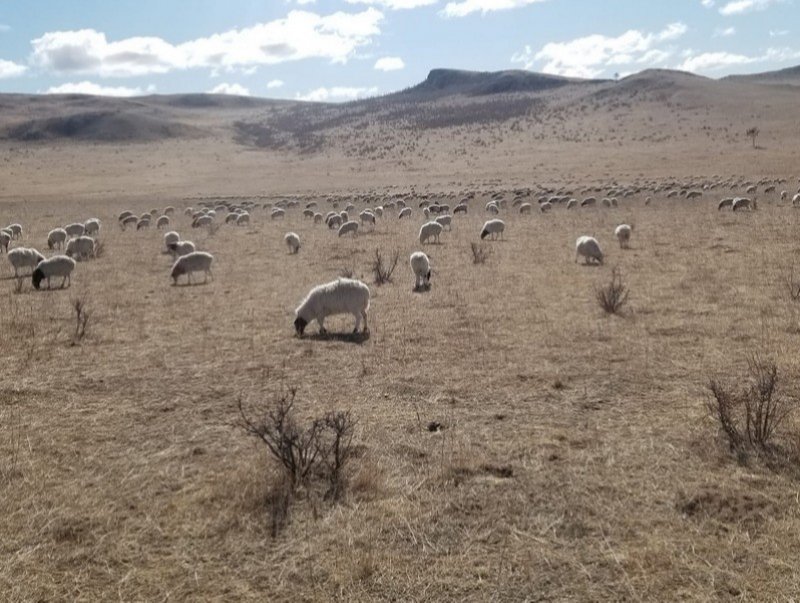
(342, 49)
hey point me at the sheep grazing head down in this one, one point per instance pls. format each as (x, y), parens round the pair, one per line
(300, 325)
(177, 270)
(484, 234)
(38, 276)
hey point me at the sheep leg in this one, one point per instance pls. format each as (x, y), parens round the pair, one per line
(364, 316)
(358, 322)
(321, 321)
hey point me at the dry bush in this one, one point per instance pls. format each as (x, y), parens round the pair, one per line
(347, 271)
(614, 295)
(81, 318)
(479, 253)
(381, 270)
(751, 416)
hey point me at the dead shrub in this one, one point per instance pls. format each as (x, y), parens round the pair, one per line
(81, 318)
(347, 271)
(479, 253)
(382, 270)
(614, 295)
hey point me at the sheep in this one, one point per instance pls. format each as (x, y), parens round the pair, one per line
(588, 202)
(125, 214)
(378, 211)
(428, 230)
(181, 248)
(128, 221)
(243, 219)
(404, 213)
(143, 223)
(492, 208)
(445, 221)
(192, 262)
(342, 296)
(572, 203)
(307, 213)
(743, 203)
(349, 227)
(727, 202)
(15, 230)
(188, 211)
(623, 234)
(493, 227)
(589, 248)
(277, 213)
(5, 239)
(80, 247)
(525, 208)
(58, 265)
(75, 230)
(421, 267)
(169, 210)
(796, 200)
(367, 216)
(292, 242)
(162, 222)
(317, 218)
(23, 257)
(171, 237)
(344, 216)
(694, 194)
(334, 221)
(545, 207)
(56, 238)
(461, 208)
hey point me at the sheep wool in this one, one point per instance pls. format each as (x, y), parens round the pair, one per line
(623, 234)
(349, 227)
(56, 238)
(589, 248)
(292, 242)
(58, 265)
(195, 261)
(493, 228)
(181, 248)
(75, 230)
(342, 296)
(421, 267)
(430, 230)
(80, 247)
(23, 257)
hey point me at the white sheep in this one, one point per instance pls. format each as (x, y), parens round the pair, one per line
(292, 242)
(277, 213)
(144, 223)
(170, 238)
(342, 296)
(244, 218)
(169, 210)
(492, 208)
(430, 230)
(525, 208)
(623, 234)
(743, 203)
(75, 230)
(404, 213)
(421, 267)
(58, 265)
(91, 226)
(349, 227)
(494, 228)
(56, 238)
(5, 240)
(545, 207)
(23, 257)
(445, 221)
(15, 230)
(128, 221)
(80, 247)
(195, 261)
(796, 200)
(367, 217)
(162, 222)
(181, 248)
(589, 248)
(205, 220)
(727, 202)
(318, 218)
(125, 214)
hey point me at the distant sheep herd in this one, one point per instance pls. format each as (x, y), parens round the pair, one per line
(78, 240)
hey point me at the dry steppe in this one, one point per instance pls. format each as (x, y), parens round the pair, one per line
(576, 459)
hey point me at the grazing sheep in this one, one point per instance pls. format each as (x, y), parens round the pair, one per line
(589, 248)
(23, 257)
(342, 296)
(125, 214)
(317, 218)
(545, 207)
(796, 200)
(571, 204)
(143, 223)
(428, 230)
(277, 213)
(623, 234)
(195, 261)
(56, 238)
(5, 239)
(784, 195)
(344, 216)
(525, 208)
(170, 238)
(404, 213)
(334, 221)
(461, 208)
(292, 242)
(493, 227)
(75, 230)
(367, 217)
(15, 230)
(349, 227)
(727, 202)
(589, 201)
(80, 247)
(169, 210)
(743, 203)
(181, 248)
(694, 194)
(307, 213)
(445, 221)
(91, 226)
(162, 222)
(128, 221)
(492, 208)
(421, 267)
(378, 211)
(58, 265)
(199, 221)
(243, 219)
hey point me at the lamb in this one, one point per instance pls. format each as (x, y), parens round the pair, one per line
(623, 234)
(421, 267)
(342, 296)
(75, 230)
(56, 238)
(589, 248)
(404, 213)
(292, 242)
(170, 238)
(80, 247)
(428, 230)
(23, 257)
(58, 265)
(192, 262)
(493, 227)
(162, 222)
(349, 227)
(5, 239)
(181, 248)
(91, 226)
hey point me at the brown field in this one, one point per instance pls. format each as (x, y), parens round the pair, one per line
(576, 459)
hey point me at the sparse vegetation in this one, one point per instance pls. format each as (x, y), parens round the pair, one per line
(479, 253)
(612, 296)
(81, 318)
(383, 269)
(752, 134)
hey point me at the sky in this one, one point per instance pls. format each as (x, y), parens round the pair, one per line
(338, 50)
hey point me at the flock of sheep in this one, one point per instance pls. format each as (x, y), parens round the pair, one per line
(77, 241)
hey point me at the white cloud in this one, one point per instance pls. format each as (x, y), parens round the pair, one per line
(4, 28)
(707, 3)
(590, 56)
(726, 32)
(395, 4)
(714, 61)
(336, 94)
(738, 7)
(234, 89)
(11, 69)
(97, 90)
(300, 35)
(389, 64)
(462, 8)
(273, 84)
(304, 2)
(778, 33)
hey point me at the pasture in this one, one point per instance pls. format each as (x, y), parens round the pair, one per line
(575, 458)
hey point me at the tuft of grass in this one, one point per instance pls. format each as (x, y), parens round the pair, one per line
(382, 270)
(612, 296)
(81, 319)
(479, 253)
